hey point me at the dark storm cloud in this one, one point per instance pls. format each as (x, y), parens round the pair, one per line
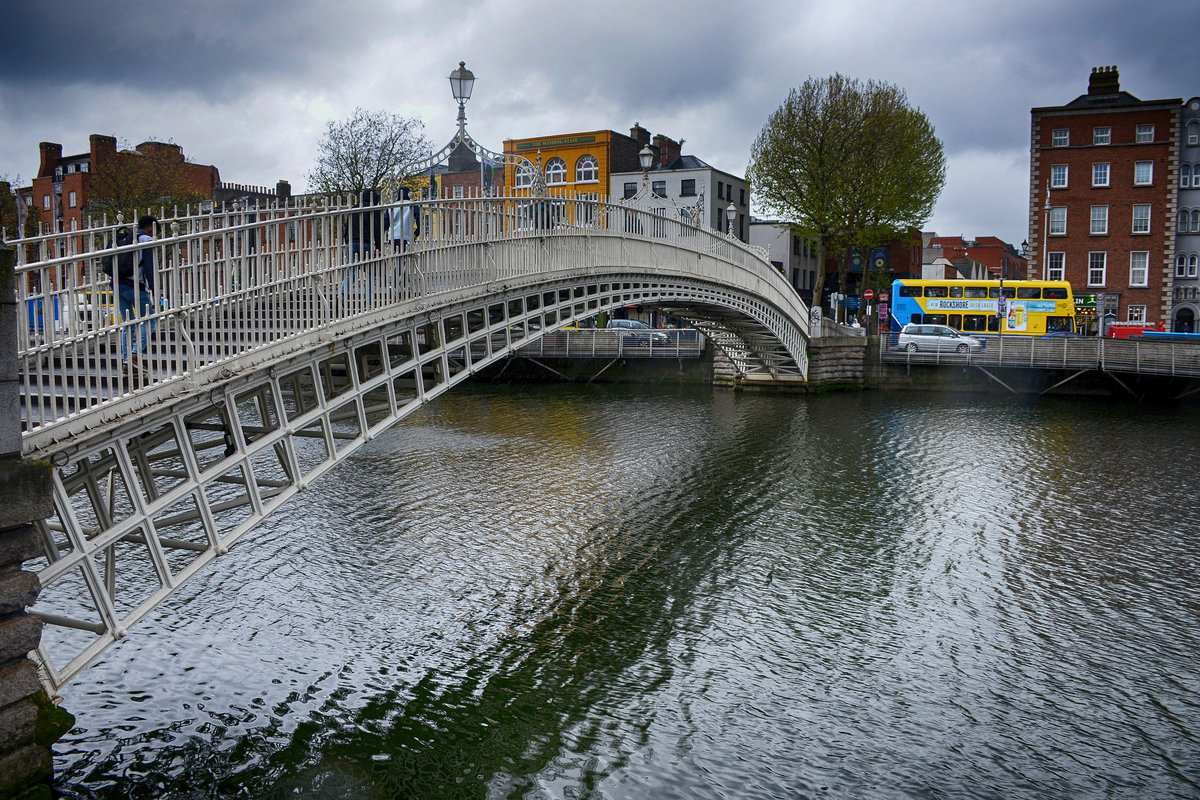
(216, 46)
(249, 85)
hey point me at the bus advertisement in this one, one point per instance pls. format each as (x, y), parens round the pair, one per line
(1031, 308)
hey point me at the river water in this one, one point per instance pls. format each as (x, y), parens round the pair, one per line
(607, 592)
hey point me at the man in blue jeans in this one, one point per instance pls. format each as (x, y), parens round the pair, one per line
(135, 298)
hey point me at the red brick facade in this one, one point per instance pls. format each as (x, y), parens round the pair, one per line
(60, 190)
(1108, 162)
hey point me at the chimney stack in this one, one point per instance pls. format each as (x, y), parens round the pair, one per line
(1104, 81)
(51, 155)
(640, 135)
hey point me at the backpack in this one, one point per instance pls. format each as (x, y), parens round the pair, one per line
(124, 260)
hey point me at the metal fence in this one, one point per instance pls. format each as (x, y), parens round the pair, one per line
(605, 343)
(1138, 356)
(226, 283)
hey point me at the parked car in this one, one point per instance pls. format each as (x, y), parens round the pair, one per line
(638, 331)
(916, 337)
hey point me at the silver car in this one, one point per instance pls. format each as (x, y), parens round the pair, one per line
(916, 337)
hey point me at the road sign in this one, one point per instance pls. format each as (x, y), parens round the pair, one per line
(1001, 305)
(883, 297)
(868, 294)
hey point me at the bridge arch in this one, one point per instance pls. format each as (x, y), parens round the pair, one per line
(155, 481)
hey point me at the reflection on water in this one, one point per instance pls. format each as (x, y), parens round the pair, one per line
(626, 593)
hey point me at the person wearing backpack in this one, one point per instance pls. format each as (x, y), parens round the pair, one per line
(135, 288)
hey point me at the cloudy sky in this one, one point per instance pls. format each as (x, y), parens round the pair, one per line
(250, 86)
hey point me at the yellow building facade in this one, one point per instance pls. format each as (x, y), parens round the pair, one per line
(576, 163)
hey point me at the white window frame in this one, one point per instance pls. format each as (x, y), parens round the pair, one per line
(523, 179)
(1193, 133)
(1102, 134)
(45, 202)
(1143, 180)
(1139, 268)
(1097, 267)
(71, 199)
(556, 171)
(1060, 137)
(1141, 218)
(1136, 314)
(1185, 176)
(458, 190)
(1099, 221)
(1195, 220)
(1193, 270)
(587, 169)
(1144, 134)
(1058, 227)
(1182, 226)
(1058, 176)
(1056, 266)
(1181, 266)
(1101, 174)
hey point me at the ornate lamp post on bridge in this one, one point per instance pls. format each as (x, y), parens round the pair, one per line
(462, 82)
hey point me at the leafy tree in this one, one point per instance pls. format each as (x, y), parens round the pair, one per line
(9, 215)
(849, 164)
(360, 152)
(134, 180)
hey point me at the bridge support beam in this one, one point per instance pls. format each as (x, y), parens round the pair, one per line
(29, 723)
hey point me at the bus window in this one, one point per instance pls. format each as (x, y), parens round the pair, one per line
(1029, 292)
(956, 291)
(910, 291)
(1055, 324)
(935, 291)
(975, 291)
(915, 317)
(993, 324)
(955, 322)
(994, 291)
(935, 319)
(974, 323)
(1054, 293)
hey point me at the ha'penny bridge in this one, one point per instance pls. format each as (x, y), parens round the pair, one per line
(273, 351)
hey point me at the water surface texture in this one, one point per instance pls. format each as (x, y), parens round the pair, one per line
(564, 592)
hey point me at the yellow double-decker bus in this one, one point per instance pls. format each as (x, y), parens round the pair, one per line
(1031, 308)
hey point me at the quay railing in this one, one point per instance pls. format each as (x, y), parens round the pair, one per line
(606, 343)
(1137, 356)
(227, 283)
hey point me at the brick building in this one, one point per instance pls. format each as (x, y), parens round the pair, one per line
(997, 258)
(1102, 200)
(61, 189)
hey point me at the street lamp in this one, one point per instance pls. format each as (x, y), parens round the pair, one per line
(462, 80)
(731, 215)
(645, 160)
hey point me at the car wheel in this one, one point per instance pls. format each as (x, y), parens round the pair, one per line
(962, 348)
(912, 347)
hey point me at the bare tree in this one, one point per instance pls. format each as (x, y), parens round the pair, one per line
(360, 152)
(847, 163)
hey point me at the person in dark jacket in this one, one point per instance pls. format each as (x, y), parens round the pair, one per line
(363, 234)
(135, 298)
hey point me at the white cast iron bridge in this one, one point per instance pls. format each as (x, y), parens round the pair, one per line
(271, 355)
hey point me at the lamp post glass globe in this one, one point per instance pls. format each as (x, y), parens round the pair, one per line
(645, 157)
(462, 80)
(731, 215)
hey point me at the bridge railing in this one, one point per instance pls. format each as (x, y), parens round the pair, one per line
(1059, 352)
(226, 283)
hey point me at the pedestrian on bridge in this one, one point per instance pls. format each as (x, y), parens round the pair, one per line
(135, 298)
(363, 234)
